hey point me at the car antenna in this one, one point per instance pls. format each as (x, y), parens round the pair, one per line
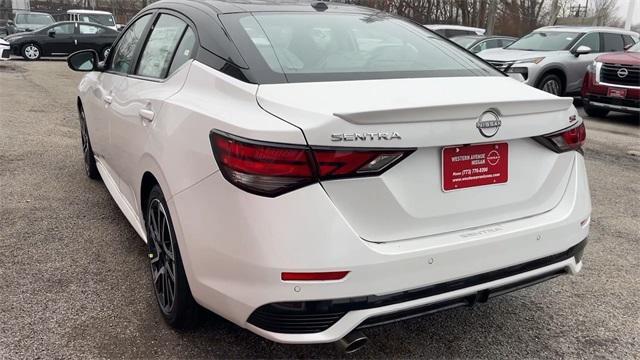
(319, 5)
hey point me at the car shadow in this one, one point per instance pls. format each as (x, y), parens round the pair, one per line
(49, 59)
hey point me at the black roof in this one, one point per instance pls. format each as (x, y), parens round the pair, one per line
(213, 38)
(238, 6)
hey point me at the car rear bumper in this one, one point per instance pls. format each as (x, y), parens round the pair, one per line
(280, 320)
(236, 245)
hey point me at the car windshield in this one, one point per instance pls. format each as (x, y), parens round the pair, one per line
(330, 47)
(464, 41)
(34, 19)
(102, 19)
(545, 41)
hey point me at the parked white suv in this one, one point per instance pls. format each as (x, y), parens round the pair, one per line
(103, 18)
(555, 58)
(307, 170)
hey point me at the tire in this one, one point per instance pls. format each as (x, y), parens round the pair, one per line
(178, 307)
(87, 151)
(595, 111)
(552, 84)
(31, 52)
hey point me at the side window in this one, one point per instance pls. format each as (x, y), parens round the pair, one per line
(64, 29)
(126, 48)
(591, 40)
(90, 29)
(628, 40)
(185, 50)
(613, 42)
(493, 43)
(482, 45)
(506, 42)
(160, 47)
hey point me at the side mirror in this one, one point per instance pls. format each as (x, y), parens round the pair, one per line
(52, 33)
(628, 46)
(10, 22)
(582, 50)
(84, 61)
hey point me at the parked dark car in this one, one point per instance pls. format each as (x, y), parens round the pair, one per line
(477, 43)
(63, 38)
(28, 21)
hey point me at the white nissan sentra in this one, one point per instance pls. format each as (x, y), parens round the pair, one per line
(308, 170)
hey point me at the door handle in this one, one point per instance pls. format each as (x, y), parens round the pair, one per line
(147, 115)
(108, 99)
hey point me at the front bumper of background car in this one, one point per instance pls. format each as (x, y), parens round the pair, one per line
(5, 52)
(597, 94)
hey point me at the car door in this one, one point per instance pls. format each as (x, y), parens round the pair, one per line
(139, 98)
(90, 37)
(577, 64)
(60, 39)
(109, 84)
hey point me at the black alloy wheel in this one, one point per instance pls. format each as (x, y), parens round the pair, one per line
(169, 280)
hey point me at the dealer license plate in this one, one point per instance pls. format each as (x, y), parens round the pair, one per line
(474, 165)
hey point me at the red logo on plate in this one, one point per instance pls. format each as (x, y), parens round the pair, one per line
(493, 158)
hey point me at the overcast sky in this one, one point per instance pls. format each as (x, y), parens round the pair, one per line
(623, 5)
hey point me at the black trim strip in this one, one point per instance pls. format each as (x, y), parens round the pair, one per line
(470, 300)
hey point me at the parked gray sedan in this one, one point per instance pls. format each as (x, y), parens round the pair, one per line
(555, 58)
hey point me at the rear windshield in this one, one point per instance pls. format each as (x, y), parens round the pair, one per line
(546, 41)
(330, 47)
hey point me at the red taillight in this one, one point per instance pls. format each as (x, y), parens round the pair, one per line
(313, 276)
(270, 169)
(566, 140)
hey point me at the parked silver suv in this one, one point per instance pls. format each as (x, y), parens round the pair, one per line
(555, 58)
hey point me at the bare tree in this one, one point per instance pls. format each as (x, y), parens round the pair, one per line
(605, 12)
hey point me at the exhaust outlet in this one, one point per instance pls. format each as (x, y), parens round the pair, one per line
(353, 342)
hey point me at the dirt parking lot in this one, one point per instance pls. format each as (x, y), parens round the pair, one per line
(75, 279)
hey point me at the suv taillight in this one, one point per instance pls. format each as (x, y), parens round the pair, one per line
(565, 140)
(271, 169)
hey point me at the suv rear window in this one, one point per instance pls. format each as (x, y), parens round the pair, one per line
(331, 46)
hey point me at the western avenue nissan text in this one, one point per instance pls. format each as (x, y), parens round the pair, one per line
(307, 169)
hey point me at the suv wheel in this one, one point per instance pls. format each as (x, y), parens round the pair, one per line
(169, 280)
(595, 111)
(552, 84)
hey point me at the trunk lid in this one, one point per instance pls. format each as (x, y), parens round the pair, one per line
(408, 201)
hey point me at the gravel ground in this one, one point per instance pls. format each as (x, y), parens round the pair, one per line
(74, 277)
